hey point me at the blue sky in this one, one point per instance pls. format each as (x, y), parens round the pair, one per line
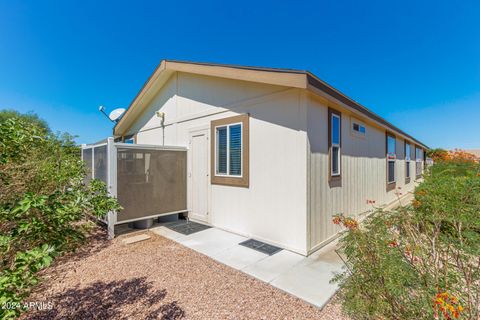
(416, 63)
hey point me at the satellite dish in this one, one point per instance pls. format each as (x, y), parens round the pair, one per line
(116, 114)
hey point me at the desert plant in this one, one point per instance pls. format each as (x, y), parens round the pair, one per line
(421, 261)
(44, 205)
(437, 154)
(450, 157)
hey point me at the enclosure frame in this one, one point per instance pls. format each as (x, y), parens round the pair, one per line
(112, 180)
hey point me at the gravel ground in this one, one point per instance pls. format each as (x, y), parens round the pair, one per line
(159, 279)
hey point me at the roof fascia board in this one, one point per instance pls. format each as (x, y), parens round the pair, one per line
(288, 79)
(134, 109)
(322, 89)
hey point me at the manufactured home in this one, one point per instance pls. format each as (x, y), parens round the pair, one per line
(271, 154)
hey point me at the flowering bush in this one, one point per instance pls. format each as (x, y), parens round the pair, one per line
(43, 205)
(455, 156)
(421, 261)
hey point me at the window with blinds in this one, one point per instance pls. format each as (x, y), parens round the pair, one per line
(222, 150)
(229, 150)
(235, 147)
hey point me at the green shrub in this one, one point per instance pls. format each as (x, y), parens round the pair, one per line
(44, 205)
(29, 117)
(421, 261)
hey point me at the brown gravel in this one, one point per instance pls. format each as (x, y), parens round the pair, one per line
(160, 279)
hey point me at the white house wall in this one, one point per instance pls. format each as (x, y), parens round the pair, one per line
(274, 207)
(363, 172)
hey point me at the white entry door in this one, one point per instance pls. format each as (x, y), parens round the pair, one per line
(198, 175)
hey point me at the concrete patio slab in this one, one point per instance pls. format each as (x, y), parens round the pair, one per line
(211, 241)
(309, 282)
(307, 278)
(239, 257)
(310, 278)
(273, 266)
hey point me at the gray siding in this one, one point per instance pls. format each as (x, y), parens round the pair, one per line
(363, 174)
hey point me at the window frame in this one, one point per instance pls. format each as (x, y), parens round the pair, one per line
(130, 139)
(360, 124)
(390, 184)
(331, 114)
(228, 179)
(228, 150)
(418, 162)
(408, 159)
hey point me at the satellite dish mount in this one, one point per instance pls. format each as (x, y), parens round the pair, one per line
(115, 115)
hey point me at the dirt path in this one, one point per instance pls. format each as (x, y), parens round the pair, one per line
(160, 279)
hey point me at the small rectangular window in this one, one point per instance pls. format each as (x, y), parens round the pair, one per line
(391, 158)
(358, 128)
(229, 150)
(129, 139)
(335, 137)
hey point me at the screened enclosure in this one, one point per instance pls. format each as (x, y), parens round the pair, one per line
(148, 181)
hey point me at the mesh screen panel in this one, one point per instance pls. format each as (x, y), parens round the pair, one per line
(87, 158)
(100, 163)
(150, 182)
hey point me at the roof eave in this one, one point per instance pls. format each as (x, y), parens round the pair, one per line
(314, 82)
(147, 84)
(282, 77)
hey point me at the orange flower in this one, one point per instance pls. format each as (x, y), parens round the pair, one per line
(336, 220)
(350, 223)
(422, 192)
(393, 244)
(447, 304)
(416, 203)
